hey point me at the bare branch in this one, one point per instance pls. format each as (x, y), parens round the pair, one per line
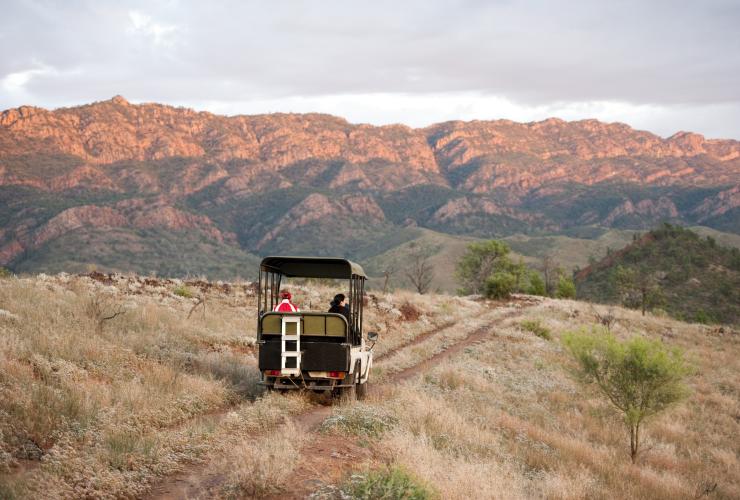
(201, 300)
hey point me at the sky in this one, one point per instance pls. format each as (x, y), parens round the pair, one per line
(662, 66)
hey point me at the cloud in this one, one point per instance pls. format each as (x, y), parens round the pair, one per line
(420, 110)
(15, 83)
(160, 34)
(659, 64)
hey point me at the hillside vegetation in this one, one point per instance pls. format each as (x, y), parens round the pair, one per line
(690, 277)
(109, 385)
(292, 184)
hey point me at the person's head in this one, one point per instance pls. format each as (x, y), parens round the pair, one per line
(285, 295)
(339, 299)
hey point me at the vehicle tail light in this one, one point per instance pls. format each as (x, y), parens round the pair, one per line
(337, 374)
(273, 373)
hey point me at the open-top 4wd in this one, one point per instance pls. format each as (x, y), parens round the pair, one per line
(320, 351)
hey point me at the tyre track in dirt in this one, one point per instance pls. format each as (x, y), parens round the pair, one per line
(478, 335)
(335, 451)
(199, 481)
(415, 340)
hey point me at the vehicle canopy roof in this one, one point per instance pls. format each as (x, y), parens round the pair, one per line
(313, 267)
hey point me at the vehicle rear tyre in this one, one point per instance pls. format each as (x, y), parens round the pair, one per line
(361, 390)
(348, 394)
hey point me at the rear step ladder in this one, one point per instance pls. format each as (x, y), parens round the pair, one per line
(286, 354)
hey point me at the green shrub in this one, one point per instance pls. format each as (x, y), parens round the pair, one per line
(566, 288)
(482, 259)
(500, 285)
(537, 328)
(5, 273)
(392, 483)
(183, 291)
(640, 377)
(536, 284)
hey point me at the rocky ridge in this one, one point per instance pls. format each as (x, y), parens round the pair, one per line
(117, 164)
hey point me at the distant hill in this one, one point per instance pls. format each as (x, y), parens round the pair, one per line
(166, 182)
(699, 279)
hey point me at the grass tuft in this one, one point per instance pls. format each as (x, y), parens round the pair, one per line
(183, 291)
(359, 420)
(537, 328)
(386, 484)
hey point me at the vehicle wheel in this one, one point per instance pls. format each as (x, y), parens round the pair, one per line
(361, 391)
(348, 394)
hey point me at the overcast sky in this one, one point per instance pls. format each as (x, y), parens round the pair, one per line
(662, 66)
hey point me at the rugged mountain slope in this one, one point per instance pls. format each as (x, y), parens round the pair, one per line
(697, 279)
(318, 184)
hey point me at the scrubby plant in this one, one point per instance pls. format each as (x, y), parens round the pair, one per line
(391, 483)
(499, 285)
(263, 467)
(359, 420)
(566, 289)
(481, 260)
(640, 288)
(639, 377)
(536, 284)
(409, 312)
(534, 326)
(419, 270)
(183, 291)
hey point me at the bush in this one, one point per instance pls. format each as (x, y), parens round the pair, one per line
(536, 284)
(481, 260)
(536, 327)
(183, 291)
(701, 316)
(409, 312)
(566, 288)
(385, 484)
(640, 377)
(500, 285)
(359, 420)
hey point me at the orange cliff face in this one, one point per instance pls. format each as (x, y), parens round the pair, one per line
(158, 166)
(493, 154)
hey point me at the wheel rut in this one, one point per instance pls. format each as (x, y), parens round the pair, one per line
(198, 480)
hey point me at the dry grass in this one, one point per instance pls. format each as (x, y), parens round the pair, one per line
(504, 416)
(108, 385)
(263, 466)
(108, 404)
(93, 407)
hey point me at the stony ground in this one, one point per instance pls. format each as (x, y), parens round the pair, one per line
(124, 386)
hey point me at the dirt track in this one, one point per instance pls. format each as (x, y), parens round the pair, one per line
(330, 463)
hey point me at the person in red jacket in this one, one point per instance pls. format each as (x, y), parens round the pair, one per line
(285, 304)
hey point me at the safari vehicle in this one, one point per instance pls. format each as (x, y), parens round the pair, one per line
(313, 350)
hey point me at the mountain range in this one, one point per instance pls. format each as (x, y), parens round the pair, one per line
(156, 188)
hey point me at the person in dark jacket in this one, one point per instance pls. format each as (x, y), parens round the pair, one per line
(338, 305)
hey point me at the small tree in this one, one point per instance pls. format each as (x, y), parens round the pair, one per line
(519, 271)
(566, 288)
(639, 288)
(480, 261)
(552, 272)
(500, 285)
(420, 271)
(387, 273)
(606, 319)
(639, 377)
(536, 284)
